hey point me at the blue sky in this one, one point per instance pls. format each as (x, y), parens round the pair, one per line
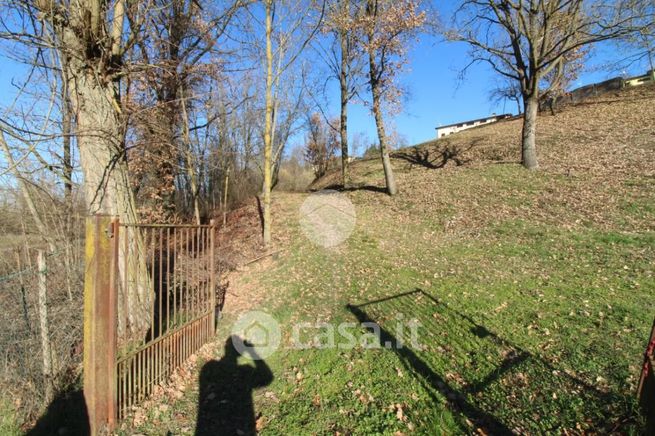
(435, 96)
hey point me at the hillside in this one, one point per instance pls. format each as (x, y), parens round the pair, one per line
(533, 292)
(587, 153)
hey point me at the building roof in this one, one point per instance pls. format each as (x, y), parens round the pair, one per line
(502, 116)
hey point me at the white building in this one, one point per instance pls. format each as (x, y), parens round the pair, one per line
(458, 127)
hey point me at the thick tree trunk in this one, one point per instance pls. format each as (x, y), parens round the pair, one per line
(343, 81)
(268, 127)
(100, 137)
(190, 162)
(528, 146)
(68, 161)
(379, 122)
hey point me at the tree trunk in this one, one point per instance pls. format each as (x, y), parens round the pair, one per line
(518, 107)
(268, 127)
(100, 137)
(227, 177)
(379, 122)
(343, 81)
(190, 161)
(528, 146)
(68, 161)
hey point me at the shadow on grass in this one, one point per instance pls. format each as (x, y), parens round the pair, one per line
(225, 404)
(489, 381)
(355, 187)
(66, 414)
(437, 155)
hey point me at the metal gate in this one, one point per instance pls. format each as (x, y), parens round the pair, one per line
(150, 303)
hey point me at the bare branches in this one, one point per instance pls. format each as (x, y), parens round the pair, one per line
(537, 43)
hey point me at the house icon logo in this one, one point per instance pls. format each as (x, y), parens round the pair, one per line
(257, 335)
(327, 218)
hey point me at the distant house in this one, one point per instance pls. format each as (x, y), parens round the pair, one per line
(640, 80)
(458, 127)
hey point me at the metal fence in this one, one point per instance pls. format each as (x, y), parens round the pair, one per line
(37, 358)
(150, 300)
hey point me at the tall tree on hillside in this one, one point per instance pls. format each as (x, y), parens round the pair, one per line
(345, 61)
(320, 144)
(388, 27)
(287, 33)
(527, 40)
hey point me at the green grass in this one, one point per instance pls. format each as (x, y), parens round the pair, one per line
(532, 319)
(531, 328)
(8, 422)
(534, 330)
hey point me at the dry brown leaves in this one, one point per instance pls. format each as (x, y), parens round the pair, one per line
(595, 157)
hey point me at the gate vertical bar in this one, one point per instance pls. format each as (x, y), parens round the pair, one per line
(212, 276)
(100, 324)
(112, 344)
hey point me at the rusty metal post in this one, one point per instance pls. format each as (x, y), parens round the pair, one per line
(212, 274)
(101, 255)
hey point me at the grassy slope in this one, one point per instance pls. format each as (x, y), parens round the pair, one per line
(533, 289)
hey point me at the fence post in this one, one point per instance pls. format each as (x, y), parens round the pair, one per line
(100, 322)
(46, 348)
(227, 175)
(212, 273)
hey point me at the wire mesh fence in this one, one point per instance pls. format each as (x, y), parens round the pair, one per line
(25, 341)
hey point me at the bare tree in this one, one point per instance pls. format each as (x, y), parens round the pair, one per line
(320, 144)
(91, 38)
(344, 58)
(387, 27)
(641, 42)
(290, 33)
(526, 40)
(507, 90)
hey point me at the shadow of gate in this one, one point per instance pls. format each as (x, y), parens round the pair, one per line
(487, 381)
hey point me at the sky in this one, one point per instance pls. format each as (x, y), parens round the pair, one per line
(438, 97)
(435, 94)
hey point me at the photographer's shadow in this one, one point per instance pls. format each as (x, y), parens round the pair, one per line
(225, 403)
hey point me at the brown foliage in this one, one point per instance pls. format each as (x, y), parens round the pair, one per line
(321, 144)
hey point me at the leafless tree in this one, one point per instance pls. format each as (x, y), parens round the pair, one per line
(342, 52)
(286, 35)
(640, 43)
(507, 90)
(526, 40)
(320, 144)
(388, 27)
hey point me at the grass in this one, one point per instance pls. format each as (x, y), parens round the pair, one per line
(532, 290)
(8, 422)
(517, 333)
